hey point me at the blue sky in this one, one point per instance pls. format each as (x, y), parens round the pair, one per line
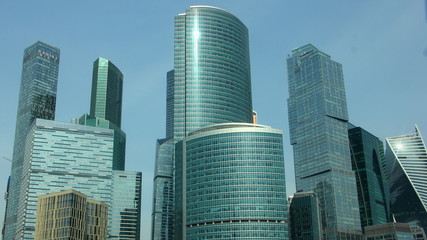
(381, 44)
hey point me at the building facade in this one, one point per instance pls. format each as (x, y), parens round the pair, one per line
(125, 209)
(304, 217)
(70, 215)
(210, 84)
(37, 99)
(318, 133)
(230, 183)
(406, 160)
(107, 89)
(389, 231)
(62, 156)
(367, 155)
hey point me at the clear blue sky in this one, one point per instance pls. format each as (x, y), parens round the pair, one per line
(381, 44)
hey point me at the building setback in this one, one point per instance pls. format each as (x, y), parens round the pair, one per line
(318, 133)
(37, 99)
(210, 84)
(230, 183)
(406, 166)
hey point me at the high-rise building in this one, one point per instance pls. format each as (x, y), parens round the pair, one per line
(210, 84)
(367, 158)
(106, 106)
(304, 217)
(62, 156)
(70, 214)
(407, 176)
(318, 133)
(230, 183)
(125, 209)
(37, 99)
(107, 88)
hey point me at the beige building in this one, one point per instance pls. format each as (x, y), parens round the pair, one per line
(71, 215)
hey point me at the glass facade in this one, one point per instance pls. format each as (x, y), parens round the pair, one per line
(107, 88)
(230, 183)
(304, 217)
(125, 209)
(318, 133)
(389, 231)
(210, 84)
(37, 99)
(367, 155)
(119, 154)
(62, 156)
(406, 163)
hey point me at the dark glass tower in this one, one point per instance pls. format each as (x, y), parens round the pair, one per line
(318, 133)
(37, 99)
(367, 155)
(407, 175)
(210, 84)
(106, 106)
(304, 217)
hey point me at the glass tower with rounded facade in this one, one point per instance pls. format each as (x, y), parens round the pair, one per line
(211, 70)
(230, 183)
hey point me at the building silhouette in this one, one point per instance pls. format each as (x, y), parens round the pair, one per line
(230, 183)
(367, 155)
(406, 160)
(37, 99)
(318, 133)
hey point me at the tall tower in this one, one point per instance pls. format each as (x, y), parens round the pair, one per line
(37, 99)
(318, 133)
(210, 84)
(407, 175)
(367, 158)
(107, 88)
(106, 106)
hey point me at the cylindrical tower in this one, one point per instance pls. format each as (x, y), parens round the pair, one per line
(230, 183)
(212, 70)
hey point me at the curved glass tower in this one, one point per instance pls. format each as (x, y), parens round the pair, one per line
(407, 175)
(212, 71)
(210, 84)
(230, 183)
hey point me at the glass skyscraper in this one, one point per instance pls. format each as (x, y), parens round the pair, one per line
(230, 183)
(37, 99)
(62, 156)
(407, 175)
(318, 133)
(304, 217)
(210, 84)
(125, 209)
(106, 106)
(367, 155)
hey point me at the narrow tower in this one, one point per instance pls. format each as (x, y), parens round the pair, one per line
(318, 131)
(37, 99)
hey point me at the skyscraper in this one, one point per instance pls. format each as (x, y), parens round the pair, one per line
(367, 155)
(407, 175)
(304, 217)
(37, 99)
(210, 84)
(318, 133)
(107, 88)
(230, 183)
(106, 106)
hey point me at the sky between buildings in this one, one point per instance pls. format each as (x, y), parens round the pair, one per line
(381, 44)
